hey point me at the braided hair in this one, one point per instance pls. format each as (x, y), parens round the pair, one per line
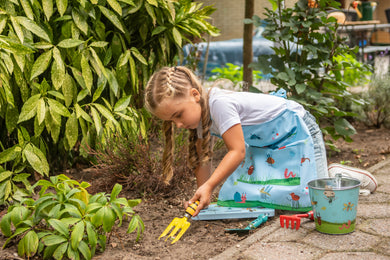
(175, 82)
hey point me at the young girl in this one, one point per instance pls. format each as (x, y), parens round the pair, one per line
(274, 146)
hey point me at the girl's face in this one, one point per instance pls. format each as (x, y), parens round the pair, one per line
(185, 112)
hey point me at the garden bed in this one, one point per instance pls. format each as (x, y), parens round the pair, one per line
(204, 239)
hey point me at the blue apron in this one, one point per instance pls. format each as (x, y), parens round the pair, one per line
(278, 164)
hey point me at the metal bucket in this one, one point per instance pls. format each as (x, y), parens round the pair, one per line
(334, 202)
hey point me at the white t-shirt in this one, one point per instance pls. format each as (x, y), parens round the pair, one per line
(228, 108)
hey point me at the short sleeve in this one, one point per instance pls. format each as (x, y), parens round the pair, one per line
(224, 113)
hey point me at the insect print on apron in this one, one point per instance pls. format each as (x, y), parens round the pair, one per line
(278, 164)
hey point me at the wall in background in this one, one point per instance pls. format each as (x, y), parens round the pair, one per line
(229, 15)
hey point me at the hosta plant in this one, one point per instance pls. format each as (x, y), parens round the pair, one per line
(66, 221)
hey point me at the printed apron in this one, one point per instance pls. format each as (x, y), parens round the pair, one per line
(278, 164)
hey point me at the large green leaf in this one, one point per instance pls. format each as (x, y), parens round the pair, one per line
(343, 127)
(106, 113)
(72, 130)
(122, 103)
(57, 75)
(36, 159)
(29, 108)
(98, 62)
(33, 27)
(17, 28)
(177, 36)
(59, 226)
(81, 113)
(115, 191)
(77, 235)
(41, 110)
(68, 89)
(58, 58)
(133, 72)
(158, 30)
(108, 219)
(53, 240)
(86, 73)
(80, 21)
(47, 6)
(41, 64)
(60, 251)
(69, 43)
(62, 5)
(92, 236)
(150, 11)
(112, 17)
(152, 2)
(5, 225)
(14, 47)
(57, 107)
(116, 6)
(27, 9)
(138, 55)
(11, 118)
(3, 23)
(97, 120)
(53, 124)
(85, 250)
(28, 245)
(112, 81)
(136, 223)
(5, 175)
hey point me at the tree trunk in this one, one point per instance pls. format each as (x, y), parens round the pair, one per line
(247, 46)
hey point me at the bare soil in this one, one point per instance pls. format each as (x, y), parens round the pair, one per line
(205, 239)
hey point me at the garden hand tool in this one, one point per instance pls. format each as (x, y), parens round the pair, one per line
(253, 225)
(295, 220)
(180, 223)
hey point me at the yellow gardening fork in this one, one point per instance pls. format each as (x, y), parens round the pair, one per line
(180, 223)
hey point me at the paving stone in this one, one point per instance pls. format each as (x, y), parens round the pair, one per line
(382, 171)
(355, 241)
(373, 210)
(370, 240)
(376, 226)
(280, 250)
(383, 179)
(376, 197)
(289, 235)
(383, 188)
(384, 247)
(381, 167)
(354, 255)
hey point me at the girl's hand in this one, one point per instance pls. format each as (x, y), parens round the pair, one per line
(203, 194)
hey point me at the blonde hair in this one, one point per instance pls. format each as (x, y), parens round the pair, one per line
(175, 82)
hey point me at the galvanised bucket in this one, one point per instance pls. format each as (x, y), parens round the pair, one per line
(334, 202)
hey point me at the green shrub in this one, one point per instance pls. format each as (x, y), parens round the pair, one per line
(65, 221)
(72, 74)
(234, 73)
(353, 72)
(305, 61)
(376, 110)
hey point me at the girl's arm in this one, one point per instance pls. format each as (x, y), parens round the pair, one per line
(234, 141)
(202, 173)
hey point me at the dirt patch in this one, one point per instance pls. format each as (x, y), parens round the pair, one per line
(205, 239)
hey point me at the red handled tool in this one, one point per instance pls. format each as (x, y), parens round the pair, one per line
(295, 220)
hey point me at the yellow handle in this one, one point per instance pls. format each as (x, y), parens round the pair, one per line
(191, 208)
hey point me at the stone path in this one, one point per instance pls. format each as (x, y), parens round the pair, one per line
(370, 240)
